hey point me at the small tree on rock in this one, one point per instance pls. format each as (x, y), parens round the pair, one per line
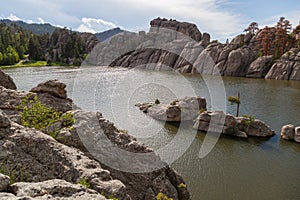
(237, 101)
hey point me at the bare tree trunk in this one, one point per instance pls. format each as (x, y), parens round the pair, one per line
(238, 105)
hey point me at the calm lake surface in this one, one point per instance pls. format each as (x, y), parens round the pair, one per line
(236, 168)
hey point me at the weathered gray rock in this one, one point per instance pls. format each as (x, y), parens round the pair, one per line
(227, 124)
(54, 189)
(288, 132)
(42, 158)
(218, 121)
(184, 109)
(297, 134)
(9, 196)
(4, 182)
(260, 67)
(188, 29)
(11, 99)
(6, 81)
(287, 67)
(255, 128)
(4, 121)
(94, 129)
(238, 61)
(53, 87)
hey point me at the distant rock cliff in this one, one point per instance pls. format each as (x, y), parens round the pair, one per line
(185, 49)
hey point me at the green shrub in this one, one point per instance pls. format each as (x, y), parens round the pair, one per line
(182, 185)
(39, 116)
(249, 119)
(157, 101)
(162, 196)
(84, 182)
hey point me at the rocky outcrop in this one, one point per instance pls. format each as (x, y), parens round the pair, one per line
(51, 93)
(90, 40)
(188, 29)
(287, 67)
(53, 87)
(92, 128)
(218, 121)
(40, 158)
(184, 109)
(6, 81)
(240, 57)
(260, 67)
(290, 132)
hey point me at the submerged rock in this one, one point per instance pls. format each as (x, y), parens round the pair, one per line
(218, 121)
(184, 109)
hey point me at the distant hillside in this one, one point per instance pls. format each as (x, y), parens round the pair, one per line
(107, 34)
(35, 28)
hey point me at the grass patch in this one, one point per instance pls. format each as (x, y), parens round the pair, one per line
(33, 63)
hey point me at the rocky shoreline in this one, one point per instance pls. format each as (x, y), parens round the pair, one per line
(34, 165)
(181, 47)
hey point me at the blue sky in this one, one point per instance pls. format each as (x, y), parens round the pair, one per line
(221, 18)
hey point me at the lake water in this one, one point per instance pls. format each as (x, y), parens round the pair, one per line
(253, 168)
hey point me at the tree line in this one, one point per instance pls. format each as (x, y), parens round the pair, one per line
(276, 40)
(62, 45)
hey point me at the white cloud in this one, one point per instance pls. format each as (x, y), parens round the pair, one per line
(41, 20)
(95, 25)
(13, 17)
(209, 15)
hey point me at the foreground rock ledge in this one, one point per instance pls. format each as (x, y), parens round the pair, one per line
(51, 168)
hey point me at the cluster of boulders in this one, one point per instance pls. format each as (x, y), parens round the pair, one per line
(194, 109)
(227, 124)
(184, 109)
(290, 132)
(34, 165)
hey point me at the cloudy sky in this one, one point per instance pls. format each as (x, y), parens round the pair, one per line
(221, 18)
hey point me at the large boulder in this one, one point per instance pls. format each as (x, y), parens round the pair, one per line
(51, 93)
(254, 127)
(287, 67)
(290, 132)
(260, 67)
(94, 135)
(53, 87)
(186, 28)
(41, 158)
(218, 121)
(184, 109)
(238, 61)
(297, 134)
(6, 81)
